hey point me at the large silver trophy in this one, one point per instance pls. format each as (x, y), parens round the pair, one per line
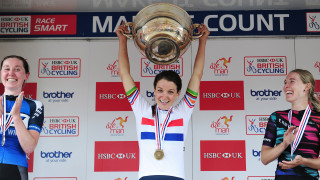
(162, 32)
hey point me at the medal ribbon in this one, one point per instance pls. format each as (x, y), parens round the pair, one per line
(5, 121)
(301, 128)
(160, 131)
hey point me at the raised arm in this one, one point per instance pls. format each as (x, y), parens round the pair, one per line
(123, 60)
(198, 66)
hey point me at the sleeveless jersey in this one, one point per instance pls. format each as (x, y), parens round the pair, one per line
(32, 116)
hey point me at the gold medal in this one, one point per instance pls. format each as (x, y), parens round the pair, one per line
(158, 154)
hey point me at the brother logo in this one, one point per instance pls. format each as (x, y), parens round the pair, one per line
(150, 93)
(265, 93)
(56, 154)
(57, 94)
(256, 153)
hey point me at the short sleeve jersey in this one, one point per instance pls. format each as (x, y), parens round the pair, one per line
(172, 163)
(308, 147)
(32, 114)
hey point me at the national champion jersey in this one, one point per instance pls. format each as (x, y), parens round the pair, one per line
(172, 163)
(32, 116)
(308, 147)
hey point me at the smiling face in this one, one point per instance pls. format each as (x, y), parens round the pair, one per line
(165, 94)
(295, 90)
(13, 75)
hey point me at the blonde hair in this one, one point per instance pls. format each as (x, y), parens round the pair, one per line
(307, 77)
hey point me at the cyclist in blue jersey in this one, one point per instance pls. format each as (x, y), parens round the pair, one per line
(21, 120)
(292, 136)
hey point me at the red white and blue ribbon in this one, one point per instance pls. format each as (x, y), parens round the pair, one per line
(161, 130)
(5, 121)
(302, 127)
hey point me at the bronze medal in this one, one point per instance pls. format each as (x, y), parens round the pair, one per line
(158, 154)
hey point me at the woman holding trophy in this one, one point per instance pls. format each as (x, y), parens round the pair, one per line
(162, 127)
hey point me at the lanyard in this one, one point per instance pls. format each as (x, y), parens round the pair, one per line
(160, 131)
(5, 121)
(302, 127)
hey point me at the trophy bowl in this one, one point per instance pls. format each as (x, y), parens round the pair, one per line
(162, 32)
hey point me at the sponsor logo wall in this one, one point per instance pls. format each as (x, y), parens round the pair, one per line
(89, 129)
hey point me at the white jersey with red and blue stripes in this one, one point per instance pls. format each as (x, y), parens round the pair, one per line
(32, 116)
(173, 145)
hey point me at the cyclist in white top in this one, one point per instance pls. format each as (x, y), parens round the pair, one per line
(161, 128)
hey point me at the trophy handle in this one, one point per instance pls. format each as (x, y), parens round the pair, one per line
(128, 33)
(196, 34)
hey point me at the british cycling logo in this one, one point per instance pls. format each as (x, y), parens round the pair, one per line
(59, 67)
(15, 25)
(221, 126)
(114, 69)
(313, 22)
(55, 156)
(149, 69)
(256, 124)
(116, 127)
(265, 65)
(60, 126)
(57, 96)
(220, 67)
(265, 94)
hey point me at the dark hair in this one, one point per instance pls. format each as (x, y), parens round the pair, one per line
(23, 60)
(307, 77)
(169, 76)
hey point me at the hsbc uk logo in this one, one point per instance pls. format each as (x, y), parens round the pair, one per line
(220, 67)
(113, 156)
(228, 95)
(221, 95)
(116, 127)
(117, 156)
(112, 96)
(221, 126)
(223, 155)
